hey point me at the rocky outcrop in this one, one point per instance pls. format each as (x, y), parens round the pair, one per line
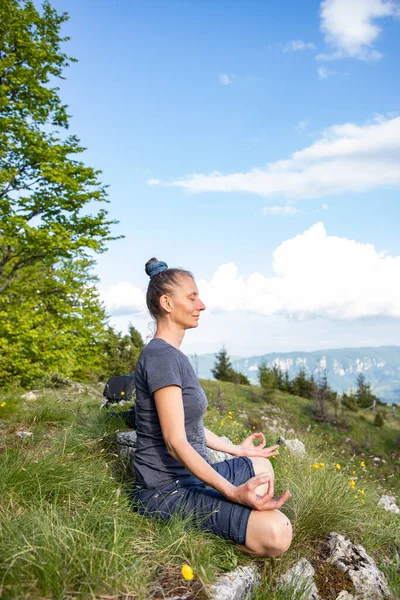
(299, 579)
(359, 567)
(389, 503)
(29, 396)
(294, 446)
(127, 443)
(239, 584)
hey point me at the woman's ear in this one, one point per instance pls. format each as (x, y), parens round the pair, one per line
(165, 303)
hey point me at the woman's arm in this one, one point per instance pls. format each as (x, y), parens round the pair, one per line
(172, 420)
(170, 412)
(216, 443)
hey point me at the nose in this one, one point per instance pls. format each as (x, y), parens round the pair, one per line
(202, 305)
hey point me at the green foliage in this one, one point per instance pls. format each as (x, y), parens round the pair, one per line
(222, 369)
(364, 397)
(45, 191)
(121, 352)
(237, 377)
(266, 378)
(303, 386)
(378, 421)
(349, 402)
(51, 319)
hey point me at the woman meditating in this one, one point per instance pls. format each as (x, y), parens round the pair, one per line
(232, 498)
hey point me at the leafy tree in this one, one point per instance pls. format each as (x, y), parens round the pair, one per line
(51, 322)
(222, 369)
(50, 227)
(46, 193)
(121, 352)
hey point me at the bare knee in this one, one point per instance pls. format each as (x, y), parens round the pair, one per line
(262, 465)
(269, 533)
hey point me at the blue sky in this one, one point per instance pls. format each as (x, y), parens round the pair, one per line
(227, 91)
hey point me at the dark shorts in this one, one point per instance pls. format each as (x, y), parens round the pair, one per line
(208, 508)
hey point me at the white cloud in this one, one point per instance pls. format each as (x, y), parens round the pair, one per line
(284, 211)
(324, 72)
(316, 275)
(325, 207)
(227, 78)
(345, 158)
(301, 126)
(123, 298)
(298, 46)
(350, 29)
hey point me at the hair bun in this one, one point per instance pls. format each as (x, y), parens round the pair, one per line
(154, 267)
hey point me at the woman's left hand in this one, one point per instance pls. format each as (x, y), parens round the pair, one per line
(247, 447)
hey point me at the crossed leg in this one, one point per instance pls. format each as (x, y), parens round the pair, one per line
(269, 532)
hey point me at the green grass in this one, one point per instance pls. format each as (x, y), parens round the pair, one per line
(67, 529)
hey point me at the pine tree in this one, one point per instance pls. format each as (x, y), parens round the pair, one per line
(222, 369)
(302, 385)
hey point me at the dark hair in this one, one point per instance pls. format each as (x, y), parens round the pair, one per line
(161, 284)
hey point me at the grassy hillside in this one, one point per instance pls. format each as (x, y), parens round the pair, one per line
(67, 531)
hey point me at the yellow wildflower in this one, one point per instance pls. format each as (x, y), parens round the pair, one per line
(352, 483)
(362, 464)
(355, 496)
(221, 423)
(316, 466)
(122, 393)
(187, 572)
(321, 464)
(362, 492)
(353, 473)
(3, 404)
(338, 466)
(362, 501)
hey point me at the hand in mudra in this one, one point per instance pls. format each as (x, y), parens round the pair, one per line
(248, 448)
(246, 493)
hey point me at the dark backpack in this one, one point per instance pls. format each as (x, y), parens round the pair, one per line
(118, 389)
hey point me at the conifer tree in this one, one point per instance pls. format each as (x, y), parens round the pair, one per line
(222, 369)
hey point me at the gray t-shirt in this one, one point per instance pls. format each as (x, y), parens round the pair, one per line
(160, 364)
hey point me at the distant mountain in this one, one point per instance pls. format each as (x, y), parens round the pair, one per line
(381, 367)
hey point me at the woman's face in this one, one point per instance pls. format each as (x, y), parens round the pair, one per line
(185, 304)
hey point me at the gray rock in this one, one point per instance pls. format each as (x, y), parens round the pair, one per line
(24, 434)
(126, 446)
(389, 503)
(29, 396)
(294, 446)
(345, 596)
(239, 584)
(360, 568)
(79, 387)
(300, 580)
(127, 442)
(215, 456)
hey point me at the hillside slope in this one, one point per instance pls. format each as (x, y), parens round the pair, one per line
(381, 367)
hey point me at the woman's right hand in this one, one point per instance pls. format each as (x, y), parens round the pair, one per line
(246, 494)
